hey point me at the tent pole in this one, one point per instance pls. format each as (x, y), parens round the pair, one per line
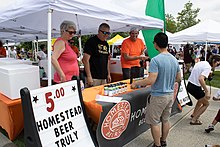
(80, 45)
(7, 49)
(35, 53)
(79, 38)
(49, 45)
(34, 50)
(80, 48)
(112, 50)
(206, 46)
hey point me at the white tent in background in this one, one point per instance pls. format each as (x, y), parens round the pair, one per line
(44, 17)
(30, 16)
(206, 31)
(171, 41)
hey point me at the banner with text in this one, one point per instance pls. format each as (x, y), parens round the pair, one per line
(58, 116)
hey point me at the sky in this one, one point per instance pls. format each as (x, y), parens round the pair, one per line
(209, 9)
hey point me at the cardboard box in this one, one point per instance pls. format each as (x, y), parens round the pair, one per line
(17, 76)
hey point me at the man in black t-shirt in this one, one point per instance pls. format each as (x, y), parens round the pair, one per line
(96, 58)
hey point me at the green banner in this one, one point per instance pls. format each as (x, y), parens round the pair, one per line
(154, 8)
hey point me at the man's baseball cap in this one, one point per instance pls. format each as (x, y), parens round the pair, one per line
(134, 29)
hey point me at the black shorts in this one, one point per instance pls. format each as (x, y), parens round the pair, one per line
(195, 91)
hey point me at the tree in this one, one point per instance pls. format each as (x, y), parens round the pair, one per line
(170, 23)
(26, 45)
(187, 17)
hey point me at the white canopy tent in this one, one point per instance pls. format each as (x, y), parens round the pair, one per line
(206, 31)
(43, 17)
(30, 16)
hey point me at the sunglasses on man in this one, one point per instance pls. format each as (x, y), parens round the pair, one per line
(71, 32)
(105, 33)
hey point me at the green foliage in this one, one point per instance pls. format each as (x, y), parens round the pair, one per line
(170, 23)
(215, 81)
(123, 34)
(187, 17)
(86, 37)
(26, 45)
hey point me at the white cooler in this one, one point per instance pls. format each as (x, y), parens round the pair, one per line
(9, 61)
(17, 76)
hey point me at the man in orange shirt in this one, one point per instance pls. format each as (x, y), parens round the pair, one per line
(132, 52)
(2, 50)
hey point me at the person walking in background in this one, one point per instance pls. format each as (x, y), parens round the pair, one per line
(212, 145)
(42, 54)
(216, 97)
(197, 87)
(164, 71)
(96, 58)
(2, 50)
(64, 59)
(210, 128)
(187, 57)
(214, 122)
(12, 52)
(132, 51)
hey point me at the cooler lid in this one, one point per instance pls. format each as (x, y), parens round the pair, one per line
(18, 68)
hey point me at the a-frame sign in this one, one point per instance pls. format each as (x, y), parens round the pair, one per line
(54, 116)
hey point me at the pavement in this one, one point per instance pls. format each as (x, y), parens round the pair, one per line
(182, 134)
(5, 142)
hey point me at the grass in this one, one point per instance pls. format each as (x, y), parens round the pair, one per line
(215, 82)
(19, 141)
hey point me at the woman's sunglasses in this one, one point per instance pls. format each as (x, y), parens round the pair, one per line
(71, 32)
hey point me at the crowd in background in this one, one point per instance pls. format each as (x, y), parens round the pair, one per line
(192, 53)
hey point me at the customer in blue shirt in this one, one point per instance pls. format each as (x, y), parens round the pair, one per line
(164, 71)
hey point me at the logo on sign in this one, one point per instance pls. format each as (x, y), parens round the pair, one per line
(116, 121)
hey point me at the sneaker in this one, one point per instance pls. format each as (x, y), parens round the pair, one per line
(208, 145)
(209, 129)
(163, 143)
(216, 99)
(156, 145)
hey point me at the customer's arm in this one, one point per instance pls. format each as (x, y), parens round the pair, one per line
(59, 48)
(150, 80)
(178, 77)
(85, 61)
(203, 84)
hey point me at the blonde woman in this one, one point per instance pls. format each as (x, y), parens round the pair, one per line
(64, 59)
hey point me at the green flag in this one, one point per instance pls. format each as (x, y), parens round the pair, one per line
(154, 8)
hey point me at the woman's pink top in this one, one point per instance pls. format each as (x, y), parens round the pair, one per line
(68, 63)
